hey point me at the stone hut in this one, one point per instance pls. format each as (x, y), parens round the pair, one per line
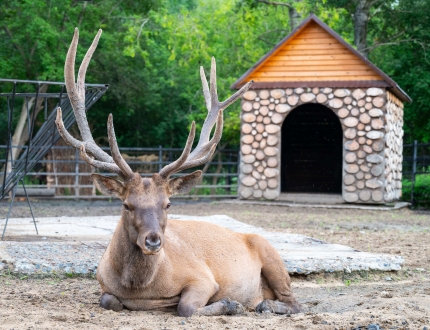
(320, 118)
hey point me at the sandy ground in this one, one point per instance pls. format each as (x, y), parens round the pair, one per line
(398, 300)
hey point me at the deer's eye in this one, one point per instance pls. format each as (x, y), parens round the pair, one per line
(168, 206)
(126, 207)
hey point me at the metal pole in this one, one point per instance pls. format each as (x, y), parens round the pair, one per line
(160, 158)
(414, 170)
(29, 204)
(76, 174)
(8, 213)
(9, 135)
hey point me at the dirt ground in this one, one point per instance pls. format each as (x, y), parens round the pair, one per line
(397, 300)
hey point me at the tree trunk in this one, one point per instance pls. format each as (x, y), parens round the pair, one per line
(361, 18)
(295, 17)
(20, 135)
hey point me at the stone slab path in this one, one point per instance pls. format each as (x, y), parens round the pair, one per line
(75, 245)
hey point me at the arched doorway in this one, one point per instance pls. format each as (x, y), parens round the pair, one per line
(311, 159)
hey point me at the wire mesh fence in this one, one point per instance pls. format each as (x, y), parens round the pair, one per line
(416, 174)
(62, 174)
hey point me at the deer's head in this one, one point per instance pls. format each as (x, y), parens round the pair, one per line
(145, 200)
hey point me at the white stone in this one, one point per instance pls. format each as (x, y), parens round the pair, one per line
(374, 91)
(341, 92)
(350, 122)
(270, 194)
(247, 106)
(246, 192)
(262, 185)
(250, 95)
(282, 108)
(272, 129)
(292, 100)
(271, 172)
(350, 157)
(271, 151)
(246, 128)
(365, 118)
(349, 179)
(272, 183)
(277, 118)
(374, 158)
(277, 93)
(373, 183)
(272, 162)
(249, 181)
(299, 90)
(249, 117)
(350, 197)
(351, 168)
(264, 94)
(247, 168)
(264, 110)
(335, 103)
(377, 170)
(350, 133)
(327, 90)
(257, 194)
(321, 98)
(352, 145)
(248, 139)
(246, 149)
(378, 102)
(256, 175)
(377, 196)
(364, 195)
(377, 123)
(260, 155)
(272, 140)
(375, 135)
(307, 97)
(342, 113)
(248, 159)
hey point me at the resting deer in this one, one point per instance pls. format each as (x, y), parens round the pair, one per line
(156, 263)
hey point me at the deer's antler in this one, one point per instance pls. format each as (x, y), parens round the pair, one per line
(76, 92)
(205, 147)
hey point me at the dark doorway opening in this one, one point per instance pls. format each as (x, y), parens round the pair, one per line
(311, 159)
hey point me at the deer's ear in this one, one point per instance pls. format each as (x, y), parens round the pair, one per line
(108, 186)
(184, 184)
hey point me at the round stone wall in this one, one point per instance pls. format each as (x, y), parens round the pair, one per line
(362, 115)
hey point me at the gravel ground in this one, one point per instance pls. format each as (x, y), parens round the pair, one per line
(398, 300)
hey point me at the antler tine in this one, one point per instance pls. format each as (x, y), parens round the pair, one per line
(84, 65)
(168, 170)
(206, 147)
(127, 172)
(76, 92)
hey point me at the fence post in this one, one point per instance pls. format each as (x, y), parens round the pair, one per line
(160, 158)
(414, 171)
(76, 173)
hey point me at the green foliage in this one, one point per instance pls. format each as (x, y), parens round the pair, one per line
(421, 190)
(150, 53)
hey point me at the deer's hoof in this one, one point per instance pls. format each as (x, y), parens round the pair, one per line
(108, 301)
(232, 307)
(266, 306)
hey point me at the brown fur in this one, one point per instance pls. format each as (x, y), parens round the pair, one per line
(197, 264)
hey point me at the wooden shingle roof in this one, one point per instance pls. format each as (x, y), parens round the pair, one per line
(313, 55)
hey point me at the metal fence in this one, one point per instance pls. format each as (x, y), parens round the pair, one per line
(62, 174)
(416, 173)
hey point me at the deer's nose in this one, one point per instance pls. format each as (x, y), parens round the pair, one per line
(152, 242)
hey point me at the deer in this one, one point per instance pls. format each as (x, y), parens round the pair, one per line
(155, 263)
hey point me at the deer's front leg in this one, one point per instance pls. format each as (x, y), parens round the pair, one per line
(195, 297)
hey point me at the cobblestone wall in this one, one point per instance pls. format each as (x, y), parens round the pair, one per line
(365, 122)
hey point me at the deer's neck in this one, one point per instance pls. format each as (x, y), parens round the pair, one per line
(137, 269)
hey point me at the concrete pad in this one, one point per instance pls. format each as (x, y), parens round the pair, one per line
(75, 245)
(334, 205)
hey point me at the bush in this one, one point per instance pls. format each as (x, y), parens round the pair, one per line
(421, 190)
